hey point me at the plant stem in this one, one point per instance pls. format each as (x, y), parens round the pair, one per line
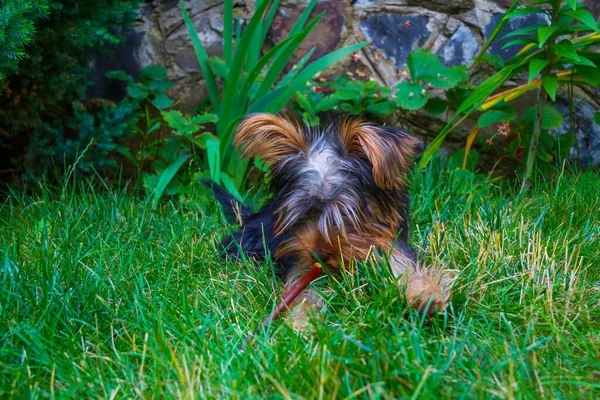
(541, 103)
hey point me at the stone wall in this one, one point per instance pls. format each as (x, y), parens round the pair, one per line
(454, 29)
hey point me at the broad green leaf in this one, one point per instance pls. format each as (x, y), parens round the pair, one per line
(304, 102)
(550, 83)
(589, 74)
(154, 72)
(137, 91)
(424, 65)
(572, 3)
(120, 75)
(203, 119)
(584, 61)
(211, 83)
(420, 62)
(584, 16)
(327, 104)
(346, 94)
(565, 48)
(161, 101)
(230, 186)
(213, 154)
(544, 34)
(381, 109)
(159, 86)
(411, 95)
(167, 176)
(436, 106)
(495, 116)
(597, 118)
(552, 118)
(535, 67)
(201, 140)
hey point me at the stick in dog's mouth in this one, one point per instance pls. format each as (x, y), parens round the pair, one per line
(313, 274)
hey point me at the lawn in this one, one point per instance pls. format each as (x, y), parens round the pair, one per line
(103, 296)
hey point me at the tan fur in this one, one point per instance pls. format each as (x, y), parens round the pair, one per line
(389, 161)
(269, 137)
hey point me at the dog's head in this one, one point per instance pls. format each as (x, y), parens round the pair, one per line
(333, 186)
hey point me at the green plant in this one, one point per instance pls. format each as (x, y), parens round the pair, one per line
(148, 90)
(252, 81)
(345, 95)
(427, 73)
(559, 53)
(188, 135)
(17, 29)
(50, 81)
(91, 140)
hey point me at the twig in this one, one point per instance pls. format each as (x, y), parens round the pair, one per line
(313, 274)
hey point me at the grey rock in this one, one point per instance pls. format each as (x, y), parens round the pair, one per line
(324, 37)
(396, 35)
(512, 25)
(443, 6)
(461, 48)
(586, 150)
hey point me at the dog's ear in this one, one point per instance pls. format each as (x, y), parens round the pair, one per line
(390, 150)
(270, 137)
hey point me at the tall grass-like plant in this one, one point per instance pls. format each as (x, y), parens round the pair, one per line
(555, 54)
(252, 81)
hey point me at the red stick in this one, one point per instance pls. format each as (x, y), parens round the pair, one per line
(313, 274)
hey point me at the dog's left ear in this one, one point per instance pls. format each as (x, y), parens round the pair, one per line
(270, 137)
(390, 150)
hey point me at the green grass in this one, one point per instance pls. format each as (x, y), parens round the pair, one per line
(102, 296)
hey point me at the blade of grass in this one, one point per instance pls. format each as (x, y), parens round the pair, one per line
(303, 17)
(235, 71)
(503, 20)
(167, 176)
(283, 58)
(259, 105)
(242, 96)
(227, 31)
(256, 43)
(209, 78)
(298, 67)
(269, 19)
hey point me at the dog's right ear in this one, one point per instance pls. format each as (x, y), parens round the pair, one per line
(269, 137)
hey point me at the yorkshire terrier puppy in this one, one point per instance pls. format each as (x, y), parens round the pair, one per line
(339, 193)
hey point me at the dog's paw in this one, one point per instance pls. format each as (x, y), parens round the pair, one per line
(429, 293)
(305, 307)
